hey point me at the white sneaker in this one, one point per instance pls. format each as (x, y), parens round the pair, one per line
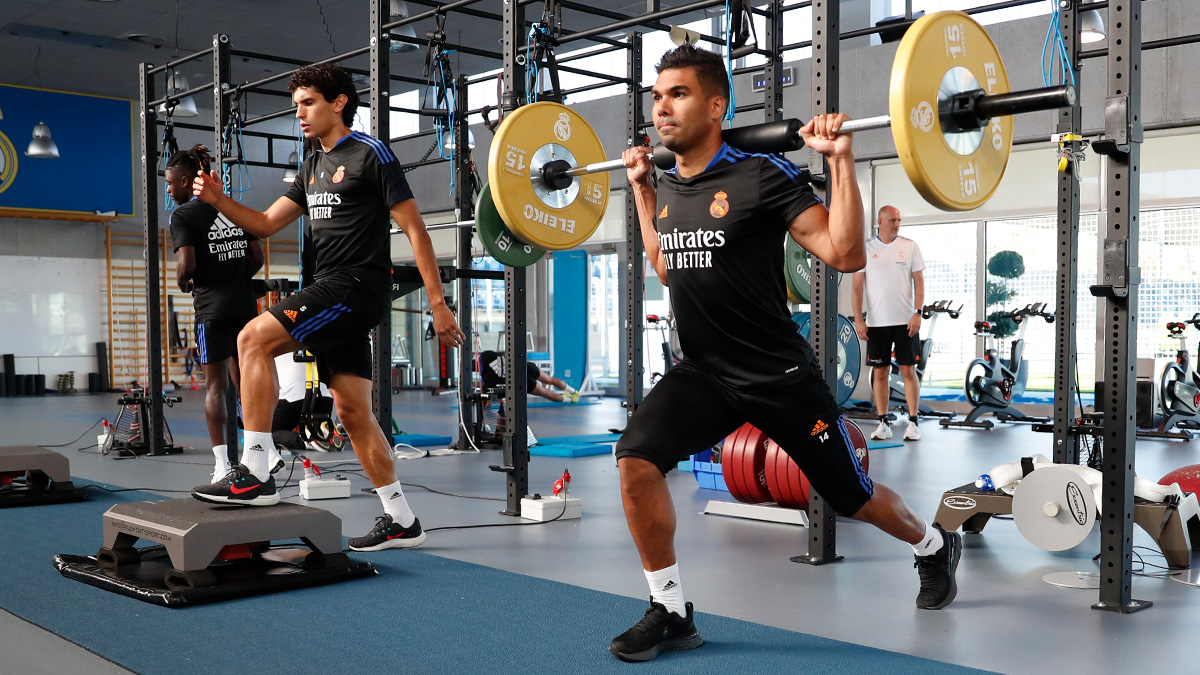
(912, 433)
(882, 432)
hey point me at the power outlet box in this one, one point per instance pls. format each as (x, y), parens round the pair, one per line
(551, 508)
(325, 488)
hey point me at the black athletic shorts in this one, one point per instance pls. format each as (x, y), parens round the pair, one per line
(333, 318)
(884, 341)
(491, 365)
(216, 339)
(689, 411)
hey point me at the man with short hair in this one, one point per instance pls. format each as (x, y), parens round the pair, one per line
(214, 261)
(348, 189)
(894, 285)
(712, 230)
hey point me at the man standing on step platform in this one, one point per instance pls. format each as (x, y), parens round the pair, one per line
(215, 261)
(348, 189)
(894, 282)
(715, 242)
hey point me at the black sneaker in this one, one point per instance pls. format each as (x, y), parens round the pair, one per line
(658, 631)
(387, 534)
(937, 572)
(239, 486)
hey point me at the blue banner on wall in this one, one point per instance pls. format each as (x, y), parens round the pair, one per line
(94, 135)
(570, 316)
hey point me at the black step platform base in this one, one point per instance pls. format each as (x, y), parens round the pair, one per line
(32, 476)
(152, 579)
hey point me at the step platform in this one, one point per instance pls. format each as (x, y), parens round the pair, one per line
(203, 553)
(31, 475)
(1174, 528)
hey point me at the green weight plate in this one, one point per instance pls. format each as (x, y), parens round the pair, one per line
(497, 239)
(796, 270)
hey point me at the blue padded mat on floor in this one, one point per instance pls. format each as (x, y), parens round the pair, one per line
(585, 438)
(421, 440)
(430, 597)
(446, 611)
(880, 445)
(570, 449)
(546, 403)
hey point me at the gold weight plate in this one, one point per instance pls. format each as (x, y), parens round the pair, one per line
(932, 47)
(546, 126)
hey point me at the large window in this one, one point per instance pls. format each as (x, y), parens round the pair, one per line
(950, 274)
(896, 8)
(1169, 255)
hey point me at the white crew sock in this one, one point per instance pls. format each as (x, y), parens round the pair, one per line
(395, 505)
(932, 543)
(257, 447)
(666, 589)
(221, 468)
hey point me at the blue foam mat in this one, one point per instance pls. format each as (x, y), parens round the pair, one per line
(880, 445)
(421, 440)
(428, 596)
(546, 403)
(570, 449)
(584, 438)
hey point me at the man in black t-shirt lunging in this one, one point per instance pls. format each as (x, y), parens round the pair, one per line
(215, 261)
(713, 230)
(348, 190)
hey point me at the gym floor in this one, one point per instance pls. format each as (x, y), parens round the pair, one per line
(1005, 619)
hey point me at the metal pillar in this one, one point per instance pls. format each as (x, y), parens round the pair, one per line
(822, 529)
(381, 336)
(516, 441)
(1119, 281)
(149, 140)
(633, 309)
(464, 209)
(221, 68)
(1066, 351)
(773, 37)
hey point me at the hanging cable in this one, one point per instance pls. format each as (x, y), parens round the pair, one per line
(730, 110)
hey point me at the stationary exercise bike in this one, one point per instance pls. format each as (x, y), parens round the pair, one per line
(991, 384)
(1178, 389)
(923, 349)
(665, 326)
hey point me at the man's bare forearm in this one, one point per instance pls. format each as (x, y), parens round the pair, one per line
(646, 200)
(845, 212)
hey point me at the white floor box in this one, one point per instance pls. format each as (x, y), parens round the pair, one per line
(551, 508)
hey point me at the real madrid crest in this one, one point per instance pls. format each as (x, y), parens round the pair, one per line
(720, 205)
(339, 174)
(8, 162)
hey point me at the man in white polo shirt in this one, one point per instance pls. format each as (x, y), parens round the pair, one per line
(895, 290)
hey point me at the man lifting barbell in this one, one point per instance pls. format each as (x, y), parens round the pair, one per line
(348, 190)
(712, 231)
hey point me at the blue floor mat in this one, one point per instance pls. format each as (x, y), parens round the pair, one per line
(880, 445)
(421, 440)
(570, 449)
(585, 438)
(546, 403)
(421, 614)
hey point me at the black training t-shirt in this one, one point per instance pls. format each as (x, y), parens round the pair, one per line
(221, 283)
(347, 193)
(721, 234)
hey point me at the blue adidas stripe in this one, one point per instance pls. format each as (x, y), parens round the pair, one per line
(383, 152)
(202, 343)
(295, 332)
(337, 310)
(863, 479)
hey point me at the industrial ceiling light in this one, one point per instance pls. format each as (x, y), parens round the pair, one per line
(449, 144)
(399, 10)
(290, 173)
(1091, 27)
(184, 107)
(682, 36)
(42, 146)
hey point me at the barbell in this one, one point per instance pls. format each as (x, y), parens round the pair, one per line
(949, 105)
